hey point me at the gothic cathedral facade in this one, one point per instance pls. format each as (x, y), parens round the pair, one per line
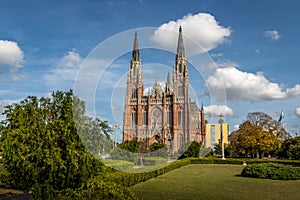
(166, 115)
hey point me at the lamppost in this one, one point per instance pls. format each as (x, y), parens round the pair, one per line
(221, 121)
(116, 127)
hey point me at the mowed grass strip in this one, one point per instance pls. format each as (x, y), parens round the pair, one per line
(214, 182)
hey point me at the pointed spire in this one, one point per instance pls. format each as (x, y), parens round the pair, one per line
(168, 88)
(180, 47)
(135, 52)
(168, 79)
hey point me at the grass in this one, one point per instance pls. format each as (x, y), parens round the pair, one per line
(212, 181)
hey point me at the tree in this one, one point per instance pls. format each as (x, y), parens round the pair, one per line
(218, 149)
(290, 149)
(190, 149)
(41, 143)
(259, 134)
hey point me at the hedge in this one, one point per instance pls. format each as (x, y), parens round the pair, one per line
(93, 189)
(273, 171)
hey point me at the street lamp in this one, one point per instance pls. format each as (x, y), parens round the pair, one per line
(221, 121)
(116, 127)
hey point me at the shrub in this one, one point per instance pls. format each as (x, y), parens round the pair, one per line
(271, 171)
(93, 189)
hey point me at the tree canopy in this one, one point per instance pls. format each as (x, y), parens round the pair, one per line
(41, 142)
(257, 135)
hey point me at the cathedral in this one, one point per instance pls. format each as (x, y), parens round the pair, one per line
(166, 115)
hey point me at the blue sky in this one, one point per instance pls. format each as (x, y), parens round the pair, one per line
(253, 46)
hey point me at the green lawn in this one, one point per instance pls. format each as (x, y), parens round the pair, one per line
(214, 182)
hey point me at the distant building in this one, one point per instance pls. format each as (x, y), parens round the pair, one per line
(213, 134)
(166, 115)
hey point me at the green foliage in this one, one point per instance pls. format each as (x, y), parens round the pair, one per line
(271, 171)
(41, 145)
(290, 149)
(93, 189)
(120, 154)
(190, 149)
(156, 146)
(132, 146)
(126, 151)
(158, 150)
(259, 134)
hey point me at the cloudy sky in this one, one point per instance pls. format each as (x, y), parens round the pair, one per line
(243, 55)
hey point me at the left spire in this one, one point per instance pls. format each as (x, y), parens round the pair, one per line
(135, 52)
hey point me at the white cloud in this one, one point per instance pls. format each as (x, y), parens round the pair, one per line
(236, 127)
(216, 54)
(272, 35)
(11, 55)
(225, 64)
(216, 110)
(18, 77)
(63, 76)
(247, 86)
(72, 59)
(201, 28)
(298, 112)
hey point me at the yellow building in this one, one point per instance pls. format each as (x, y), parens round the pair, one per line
(213, 134)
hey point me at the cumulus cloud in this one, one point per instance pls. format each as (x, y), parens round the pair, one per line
(72, 59)
(216, 110)
(226, 64)
(298, 112)
(11, 55)
(202, 28)
(241, 85)
(63, 76)
(272, 35)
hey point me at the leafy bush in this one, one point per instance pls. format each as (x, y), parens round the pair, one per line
(93, 189)
(271, 171)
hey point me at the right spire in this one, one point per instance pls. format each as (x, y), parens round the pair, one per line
(180, 47)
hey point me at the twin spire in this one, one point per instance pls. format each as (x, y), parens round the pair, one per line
(180, 47)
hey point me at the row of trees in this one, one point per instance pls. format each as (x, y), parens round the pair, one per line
(260, 136)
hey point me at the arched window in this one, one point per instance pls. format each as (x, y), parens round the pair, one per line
(180, 140)
(134, 93)
(180, 91)
(133, 118)
(145, 117)
(170, 118)
(180, 117)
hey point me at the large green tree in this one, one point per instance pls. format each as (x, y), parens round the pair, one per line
(41, 142)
